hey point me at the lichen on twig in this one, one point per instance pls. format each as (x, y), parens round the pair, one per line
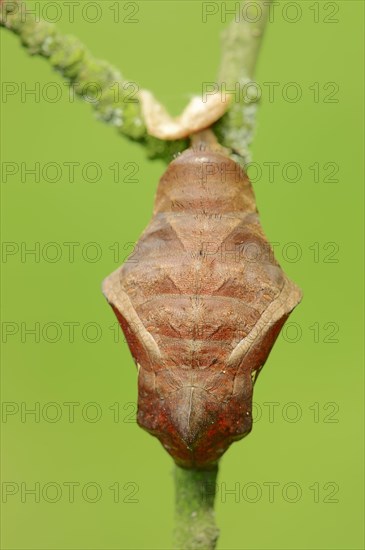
(122, 104)
(98, 82)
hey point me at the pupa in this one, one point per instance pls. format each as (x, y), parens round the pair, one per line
(201, 305)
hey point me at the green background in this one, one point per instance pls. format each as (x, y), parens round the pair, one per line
(171, 52)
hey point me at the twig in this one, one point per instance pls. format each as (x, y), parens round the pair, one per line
(195, 527)
(94, 80)
(103, 86)
(241, 43)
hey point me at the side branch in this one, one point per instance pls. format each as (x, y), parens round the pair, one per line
(139, 116)
(94, 80)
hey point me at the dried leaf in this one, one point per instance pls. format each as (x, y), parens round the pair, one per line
(198, 114)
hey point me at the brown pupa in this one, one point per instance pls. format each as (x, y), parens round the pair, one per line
(201, 306)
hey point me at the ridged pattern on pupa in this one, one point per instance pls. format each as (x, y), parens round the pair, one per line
(201, 302)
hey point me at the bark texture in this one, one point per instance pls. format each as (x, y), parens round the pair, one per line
(201, 302)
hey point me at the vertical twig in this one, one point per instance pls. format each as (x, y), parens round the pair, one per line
(195, 527)
(241, 43)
